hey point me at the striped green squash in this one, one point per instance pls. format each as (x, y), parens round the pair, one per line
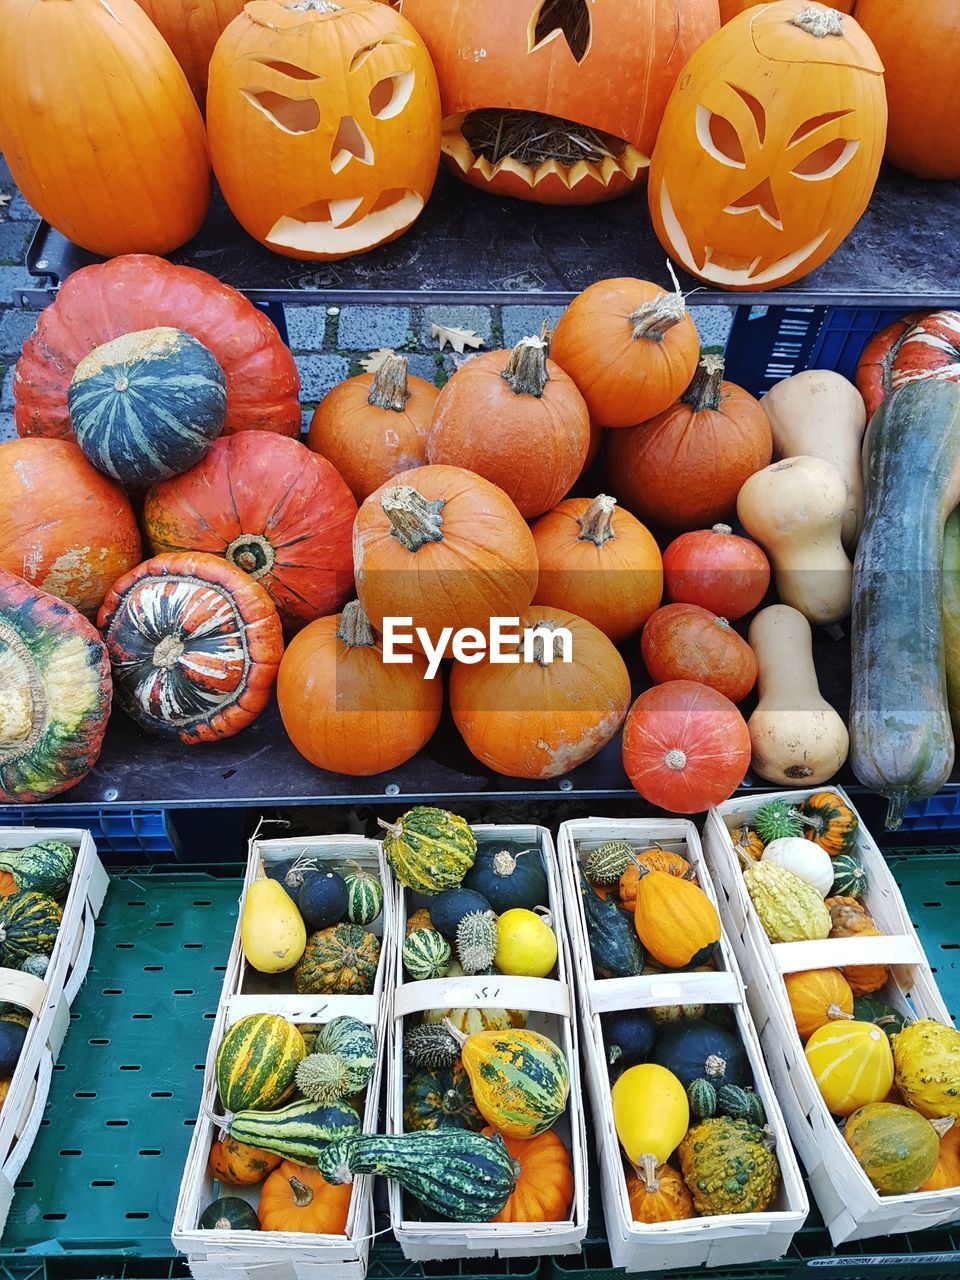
(520, 1079)
(45, 867)
(429, 849)
(299, 1131)
(341, 1061)
(849, 878)
(426, 954)
(454, 1173)
(147, 405)
(28, 926)
(364, 895)
(440, 1098)
(256, 1062)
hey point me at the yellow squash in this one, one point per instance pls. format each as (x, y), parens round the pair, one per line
(851, 1063)
(272, 932)
(651, 1113)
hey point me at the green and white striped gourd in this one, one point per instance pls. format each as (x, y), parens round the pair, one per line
(341, 1063)
(849, 878)
(454, 1173)
(430, 1046)
(702, 1097)
(606, 864)
(426, 954)
(44, 867)
(364, 895)
(741, 1104)
(257, 1062)
(299, 1131)
(776, 820)
(28, 926)
(477, 941)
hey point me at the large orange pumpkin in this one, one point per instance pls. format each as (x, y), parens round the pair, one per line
(324, 125)
(685, 746)
(730, 8)
(600, 563)
(375, 425)
(919, 44)
(630, 346)
(685, 642)
(191, 28)
(516, 419)
(542, 718)
(64, 527)
(123, 171)
(444, 547)
(770, 146)
(544, 1190)
(344, 708)
(271, 508)
(684, 468)
(601, 71)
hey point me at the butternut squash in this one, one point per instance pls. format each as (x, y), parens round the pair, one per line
(795, 510)
(796, 737)
(820, 414)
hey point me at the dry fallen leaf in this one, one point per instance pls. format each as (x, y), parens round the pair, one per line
(372, 362)
(459, 339)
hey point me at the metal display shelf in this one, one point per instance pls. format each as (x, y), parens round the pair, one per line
(471, 247)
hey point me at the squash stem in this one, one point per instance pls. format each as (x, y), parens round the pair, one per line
(722, 529)
(526, 371)
(596, 523)
(355, 630)
(896, 805)
(943, 1124)
(835, 1013)
(414, 519)
(389, 389)
(539, 643)
(820, 22)
(646, 1171)
(301, 1193)
(457, 1034)
(395, 828)
(658, 316)
(705, 391)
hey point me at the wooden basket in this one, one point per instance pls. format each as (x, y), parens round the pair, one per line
(285, 1255)
(48, 999)
(851, 1207)
(722, 1240)
(550, 1001)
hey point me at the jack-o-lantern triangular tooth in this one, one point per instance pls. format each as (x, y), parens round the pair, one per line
(571, 18)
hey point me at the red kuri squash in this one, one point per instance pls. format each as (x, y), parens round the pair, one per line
(685, 746)
(685, 642)
(913, 349)
(718, 570)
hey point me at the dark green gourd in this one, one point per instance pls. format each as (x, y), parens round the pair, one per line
(614, 945)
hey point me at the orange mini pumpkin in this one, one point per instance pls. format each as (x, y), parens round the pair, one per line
(324, 124)
(544, 1190)
(947, 1172)
(295, 1198)
(239, 1165)
(655, 859)
(770, 146)
(658, 1194)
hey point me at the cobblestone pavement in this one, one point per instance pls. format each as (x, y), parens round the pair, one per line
(328, 342)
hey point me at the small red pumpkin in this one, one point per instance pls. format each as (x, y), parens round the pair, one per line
(271, 508)
(717, 570)
(917, 347)
(685, 642)
(685, 746)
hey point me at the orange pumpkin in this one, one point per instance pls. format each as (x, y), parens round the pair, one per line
(850, 919)
(684, 468)
(685, 642)
(630, 346)
(239, 1165)
(542, 718)
(544, 1190)
(516, 419)
(444, 547)
(655, 859)
(817, 997)
(769, 147)
(344, 708)
(295, 1198)
(599, 562)
(947, 1172)
(748, 842)
(118, 172)
(658, 1194)
(375, 425)
(730, 8)
(64, 527)
(192, 30)
(339, 105)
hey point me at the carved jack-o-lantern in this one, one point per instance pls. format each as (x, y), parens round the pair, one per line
(324, 124)
(556, 101)
(770, 146)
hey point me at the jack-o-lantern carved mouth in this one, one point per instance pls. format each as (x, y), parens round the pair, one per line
(347, 225)
(533, 147)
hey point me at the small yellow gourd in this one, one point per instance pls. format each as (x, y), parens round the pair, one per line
(651, 1113)
(526, 944)
(852, 1064)
(927, 1059)
(272, 932)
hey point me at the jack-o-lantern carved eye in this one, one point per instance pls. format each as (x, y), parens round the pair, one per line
(390, 95)
(292, 115)
(719, 138)
(828, 159)
(366, 51)
(567, 18)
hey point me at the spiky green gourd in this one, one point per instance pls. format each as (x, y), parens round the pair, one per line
(364, 895)
(607, 864)
(322, 1078)
(28, 926)
(702, 1097)
(440, 1099)
(741, 1104)
(37, 965)
(849, 878)
(429, 849)
(477, 941)
(297, 1132)
(430, 1046)
(454, 1173)
(776, 820)
(426, 954)
(44, 867)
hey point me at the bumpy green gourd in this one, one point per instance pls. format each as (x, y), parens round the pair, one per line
(789, 909)
(429, 849)
(28, 926)
(702, 1097)
(36, 965)
(741, 1104)
(729, 1166)
(477, 941)
(430, 1046)
(849, 878)
(776, 820)
(322, 1077)
(364, 895)
(608, 863)
(426, 954)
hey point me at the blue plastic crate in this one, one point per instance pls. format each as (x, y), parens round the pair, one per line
(123, 832)
(844, 333)
(938, 813)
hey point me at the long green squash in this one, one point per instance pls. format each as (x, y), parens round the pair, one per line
(299, 1131)
(901, 742)
(951, 615)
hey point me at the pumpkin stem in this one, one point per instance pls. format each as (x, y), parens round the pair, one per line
(675, 759)
(658, 316)
(252, 553)
(835, 1013)
(596, 523)
(943, 1124)
(315, 6)
(539, 643)
(721, 528)
(646, 1171)
(526, 371)
(820, 22)
(504, 862)
(414, 519)
(356, 633)
(769, 1138)
(389, 389)
(715, 1065)
(896, 804)
(301, 1193)
(705, 391)
(457, 1034)
(395, 828)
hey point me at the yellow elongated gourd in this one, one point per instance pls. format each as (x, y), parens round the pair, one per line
(272, 932)
(650, 1111)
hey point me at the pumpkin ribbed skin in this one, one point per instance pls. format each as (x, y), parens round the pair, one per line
(520, 1080)
(545, 1185)
(429, 849)
(655, 859)
(194, 644)
(298, 1131)
(675, 920)
(28, 926)
(440, 1098)
(55, 693)
(849, 878)
(115, 173)
(717, 570)
(831, 824)
(343, 958)
(256, 1062)
(663, 1198)
(851, 1063)
(238, 1165)
(298, 1198)
(229, 1213)
(271, 508)
(192, 30)
(850, 919)
(927, 1058)
(728, 1168)
(897, 1149)
(364, 897)
(817, 996)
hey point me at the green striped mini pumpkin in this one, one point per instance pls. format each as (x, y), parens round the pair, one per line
(45, 867)
(849, 878)
(364, 896)
(520, 1079)
(28, 926)
(147, 405)
(426, 954)
(429, 849)
(257, 1061)
(299, 1131)
(440, 1098)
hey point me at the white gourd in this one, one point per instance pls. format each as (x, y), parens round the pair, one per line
(805, 859)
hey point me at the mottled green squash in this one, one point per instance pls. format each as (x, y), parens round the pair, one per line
(44, 867)
(614, 946)
(28, 926)
(440, 1099)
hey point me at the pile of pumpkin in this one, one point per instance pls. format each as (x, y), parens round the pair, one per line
(891, 1081)
(34, 883)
